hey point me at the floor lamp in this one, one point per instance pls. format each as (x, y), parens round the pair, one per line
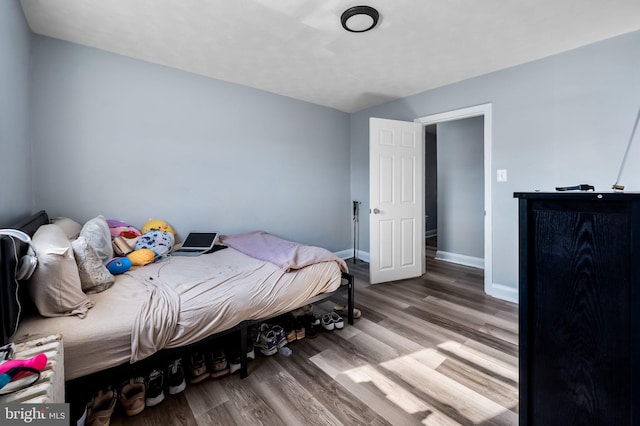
(616, 186)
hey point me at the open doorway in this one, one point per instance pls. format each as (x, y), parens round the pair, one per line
(454, 191)
(483, 112)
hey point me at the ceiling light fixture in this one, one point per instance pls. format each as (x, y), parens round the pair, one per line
(359, 19)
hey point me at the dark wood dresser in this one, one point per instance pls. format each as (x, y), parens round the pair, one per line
(579, 321)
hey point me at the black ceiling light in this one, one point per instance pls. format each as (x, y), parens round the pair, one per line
(359, 19)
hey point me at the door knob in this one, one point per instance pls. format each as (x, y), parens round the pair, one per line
(376, 211)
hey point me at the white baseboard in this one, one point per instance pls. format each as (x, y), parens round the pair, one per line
(499, 291)
(503, 292)
(348, 254)
(344, 254)
(461, 259)
(364, 256)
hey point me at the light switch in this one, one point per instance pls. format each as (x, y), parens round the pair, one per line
(501, 175)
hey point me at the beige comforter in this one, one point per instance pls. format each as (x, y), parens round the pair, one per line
(178, 301)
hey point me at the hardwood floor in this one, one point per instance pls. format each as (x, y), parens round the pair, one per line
(433, 350)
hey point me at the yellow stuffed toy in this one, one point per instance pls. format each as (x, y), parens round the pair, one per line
(141, 257)
(158, 224)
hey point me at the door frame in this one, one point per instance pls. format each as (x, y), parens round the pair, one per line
(484, 110)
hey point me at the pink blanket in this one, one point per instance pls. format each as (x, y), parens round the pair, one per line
(286, 254)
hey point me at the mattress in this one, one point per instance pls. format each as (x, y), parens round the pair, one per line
(175, 302)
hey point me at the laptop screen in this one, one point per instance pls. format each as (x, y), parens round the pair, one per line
(199, 240)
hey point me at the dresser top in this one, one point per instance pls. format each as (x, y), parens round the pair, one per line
(579, 195)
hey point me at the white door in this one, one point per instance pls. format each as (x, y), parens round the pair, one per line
(396, 186)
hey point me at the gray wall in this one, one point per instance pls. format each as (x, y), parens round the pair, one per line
(133, 140)
(461, 187)
(15, 150)
(561, 120)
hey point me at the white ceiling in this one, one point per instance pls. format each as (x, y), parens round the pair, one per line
(297, 48)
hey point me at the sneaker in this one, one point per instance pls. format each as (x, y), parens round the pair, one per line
(252, 335)
(290, 329)
(197, 367)
(291, 335)
(299, 329)
(251, 353)
(218, 365)
(175, 376)
(344, 311)
(309, 319)
(155, 388)
(310, 330)
(101, 408)
(338, 322)
(281, 336)
(132, 396)
(315, 321)
(327, 322)
(266, 341)
(308, 324)
(234, 362)
(233, 350)
(83, 417)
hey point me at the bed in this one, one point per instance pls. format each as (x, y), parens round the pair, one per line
(169, 305)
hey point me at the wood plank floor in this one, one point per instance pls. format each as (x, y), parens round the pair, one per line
(433, 350)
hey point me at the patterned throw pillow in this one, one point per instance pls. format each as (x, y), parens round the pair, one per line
(96, 231)
(94, 276)
(161, 242)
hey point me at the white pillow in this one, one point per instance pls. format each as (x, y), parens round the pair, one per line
(55, 284)
(94, 276)
(70, 227)
(97, 233)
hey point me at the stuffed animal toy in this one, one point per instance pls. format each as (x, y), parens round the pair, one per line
(156, 241)
(124, 237)
(159, 225)
(161, 242)
(141, 257)
(122, 229)
(118, 265)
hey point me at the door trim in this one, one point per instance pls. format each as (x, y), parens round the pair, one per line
(484, 110)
